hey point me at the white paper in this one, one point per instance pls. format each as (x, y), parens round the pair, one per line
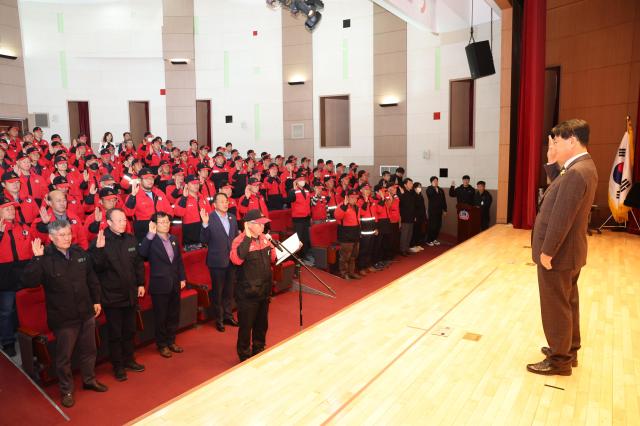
(292, 244)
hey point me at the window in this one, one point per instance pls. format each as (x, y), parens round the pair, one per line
(461, 111)
(335, 130)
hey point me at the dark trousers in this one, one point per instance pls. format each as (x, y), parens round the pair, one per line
(419, 231)
(8, 318)
(253, 321)
(301, 226)
(559, 306)
(366, 251)
(406, 232)
(222, 292)
(395, 240)
(434, 226)
(121, 326)
(166, 313)
(82, 338)
(348, 257)
(191, 233)
(274, 202)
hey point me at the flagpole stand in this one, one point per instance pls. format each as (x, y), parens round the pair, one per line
(604, 225)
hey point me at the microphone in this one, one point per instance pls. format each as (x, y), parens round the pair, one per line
(273, 242)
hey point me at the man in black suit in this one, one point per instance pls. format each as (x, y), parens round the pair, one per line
(166, 280)
(218, 231)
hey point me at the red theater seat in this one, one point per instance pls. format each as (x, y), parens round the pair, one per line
(324, 244)
(34, 336)
(198, 278)
(281, 222)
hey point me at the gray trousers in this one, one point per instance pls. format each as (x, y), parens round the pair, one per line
(80, 337)
(406, 232)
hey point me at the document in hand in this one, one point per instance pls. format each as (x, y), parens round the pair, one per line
(292, 244)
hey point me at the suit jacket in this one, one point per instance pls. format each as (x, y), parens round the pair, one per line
(217, 240)
(560, 229)
(165, 276)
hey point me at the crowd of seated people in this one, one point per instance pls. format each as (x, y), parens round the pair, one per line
(53, 190)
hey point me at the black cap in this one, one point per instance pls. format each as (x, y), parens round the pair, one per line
(106, 177)
(7, 176)
(60, 159)
(105, 151)
(301, 173)
(21, 155)
(317, 182)
(352, 192)
(145, 171)
(192, 178)
(253, 180)
(31, 149)
(163, 162)
(218, 154)
(90, 157)
(177, 170)
(273, 165)
(255, 215)
(58, 180)
(107, 192)
(203, 166)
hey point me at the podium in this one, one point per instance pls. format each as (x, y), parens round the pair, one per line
(468, 221)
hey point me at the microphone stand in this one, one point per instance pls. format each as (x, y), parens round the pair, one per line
(298, 270)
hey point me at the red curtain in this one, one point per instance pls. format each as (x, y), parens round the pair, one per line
(83, 119)
(530, 113)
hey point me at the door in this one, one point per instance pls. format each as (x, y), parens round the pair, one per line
(138, 120)
(203, 122)
(79, 122)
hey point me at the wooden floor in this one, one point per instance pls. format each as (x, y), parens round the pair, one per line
(384, 360)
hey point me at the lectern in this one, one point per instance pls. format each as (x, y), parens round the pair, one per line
(468, 221)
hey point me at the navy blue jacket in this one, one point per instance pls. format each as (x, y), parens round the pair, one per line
(165, 276)
(217, 240)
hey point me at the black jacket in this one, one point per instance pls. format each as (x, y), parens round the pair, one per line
(165, 276)
(464, 194)
(421, 208)
(408, 204)
(437, 200)
(120, 269)
(71, 287)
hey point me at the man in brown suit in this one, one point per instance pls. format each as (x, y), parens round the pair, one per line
(559, 245)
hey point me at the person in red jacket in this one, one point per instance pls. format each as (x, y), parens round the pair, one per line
(253, 254)
(287, 178)
(220, 173)
(368, 230)
(300, 200)
(145, 200)
(188, 209)
(332, 198)
(26, 208)
(252, 199)
(32, 185)
(394, 220)
(97, 221)
(319, 203)
(56, 209)
(382, 204)
(271, 188)
(348, 217)
(15, 251)
(207, 188)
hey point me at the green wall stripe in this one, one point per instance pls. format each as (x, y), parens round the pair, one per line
(256, 121)
(226, 69)
(345, 59)
(437, 71)
(63, 69)
(60, 17)
(196, 25)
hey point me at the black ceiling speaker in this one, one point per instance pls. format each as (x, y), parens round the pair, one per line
(480, 59)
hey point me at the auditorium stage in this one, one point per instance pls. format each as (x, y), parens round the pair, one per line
(446, 344)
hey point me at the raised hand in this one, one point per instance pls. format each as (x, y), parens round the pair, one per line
(152, 227)
(97, 308)
(97, 215)
(551, 152)
(37, 247)
(185, 191)
(92, 189)
(2, 225)
(44, 215)
(204, 216)
(85, 175)
(183, 284)
(141, 291)
(100, 242)
(247, 231)
(135, 187)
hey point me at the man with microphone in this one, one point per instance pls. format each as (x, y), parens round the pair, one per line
(253, 253)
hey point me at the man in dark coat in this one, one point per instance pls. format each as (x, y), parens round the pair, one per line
(436, 209)
(72, 295)
(120, 270)
(167, 279)
(219, 228)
